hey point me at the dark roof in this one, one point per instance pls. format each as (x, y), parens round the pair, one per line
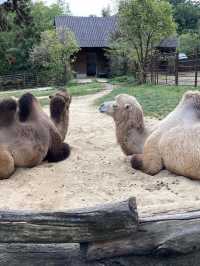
(170, 42)
(89, 31)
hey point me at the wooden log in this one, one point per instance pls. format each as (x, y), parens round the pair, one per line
(103, 222)
(160, 235)
(70, 255)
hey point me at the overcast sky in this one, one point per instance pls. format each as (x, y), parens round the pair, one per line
(85, 7)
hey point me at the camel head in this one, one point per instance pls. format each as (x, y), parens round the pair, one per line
(59, 104)
(191, 99)
(124, 108)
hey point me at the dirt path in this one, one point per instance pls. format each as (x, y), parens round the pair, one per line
(96, 172)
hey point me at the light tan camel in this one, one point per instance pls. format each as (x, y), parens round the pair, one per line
(59, 111)
(131, 130)
(27, 136)
(175, 145)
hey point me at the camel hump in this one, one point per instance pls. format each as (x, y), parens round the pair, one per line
(8, 105)
(8, 108)
(25, 106)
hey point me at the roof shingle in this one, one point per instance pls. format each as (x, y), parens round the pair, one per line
(89, 31)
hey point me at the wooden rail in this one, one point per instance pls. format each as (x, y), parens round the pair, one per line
(108, 233)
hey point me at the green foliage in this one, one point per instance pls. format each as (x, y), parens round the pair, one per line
(142, 25)
(20, 10)
(106, 11)
(64, 6)
(18, 39)
(44, 15)
(186, 15)
(157, 101)
(189, 42)
(52, 56)
(119, 56)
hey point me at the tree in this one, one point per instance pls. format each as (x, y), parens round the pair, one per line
(21, 9)
(17, 39)
(106, 11)
(53, 54)
(43, 15)
(189, 42)
(17, 36)
(143, 23)
(186, 15)
(64, 7)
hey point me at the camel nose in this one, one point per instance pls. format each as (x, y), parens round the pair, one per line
(102, 108)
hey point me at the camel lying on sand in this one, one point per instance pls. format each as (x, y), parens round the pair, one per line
(27, 136)
(175, 144)
(131, 130)
(59, 111)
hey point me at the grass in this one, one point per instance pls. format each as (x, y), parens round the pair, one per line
(157, 101)
(74, 90)
(122, 79)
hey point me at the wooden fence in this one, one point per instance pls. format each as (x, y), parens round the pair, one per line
(110, 234)
(172, 70)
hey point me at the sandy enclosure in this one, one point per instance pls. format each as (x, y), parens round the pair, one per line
(96, 172)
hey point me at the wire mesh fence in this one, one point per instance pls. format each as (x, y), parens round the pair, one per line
(172, 69)
(24, 80)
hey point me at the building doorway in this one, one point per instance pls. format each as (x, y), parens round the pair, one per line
(91, 64)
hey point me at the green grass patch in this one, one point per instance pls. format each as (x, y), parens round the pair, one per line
(122, 79)
(157, 101)
(73, 88)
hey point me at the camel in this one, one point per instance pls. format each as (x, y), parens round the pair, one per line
(59, 111)
(131, 129)
(27, 136)
(175, 144)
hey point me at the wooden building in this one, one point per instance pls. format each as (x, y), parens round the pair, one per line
(93, 35)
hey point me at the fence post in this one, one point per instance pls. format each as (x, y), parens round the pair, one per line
(196, 68)
(176, 69)
(151, 68)
(155, 69)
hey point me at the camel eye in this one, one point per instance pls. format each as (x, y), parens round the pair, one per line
(127, 106)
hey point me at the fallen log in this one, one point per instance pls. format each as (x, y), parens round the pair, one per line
(159, 235)
(70, 255)
(103, 222)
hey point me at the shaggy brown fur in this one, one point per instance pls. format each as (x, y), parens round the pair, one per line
(131, 131)
(175, 145)
(29, 136)
(59, 110)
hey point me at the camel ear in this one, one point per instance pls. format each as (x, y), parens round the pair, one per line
(50, 97)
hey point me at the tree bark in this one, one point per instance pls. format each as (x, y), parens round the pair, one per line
(159, 235)
(103, 222)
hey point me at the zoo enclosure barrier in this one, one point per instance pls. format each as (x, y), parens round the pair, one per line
(110, 233)
(21, 80)
(174, 69)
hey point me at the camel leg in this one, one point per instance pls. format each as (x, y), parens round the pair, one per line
(151, 161)
(137, 161)
(7, 166)
(59, 153)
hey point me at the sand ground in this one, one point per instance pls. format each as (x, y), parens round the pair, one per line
(96, 172)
